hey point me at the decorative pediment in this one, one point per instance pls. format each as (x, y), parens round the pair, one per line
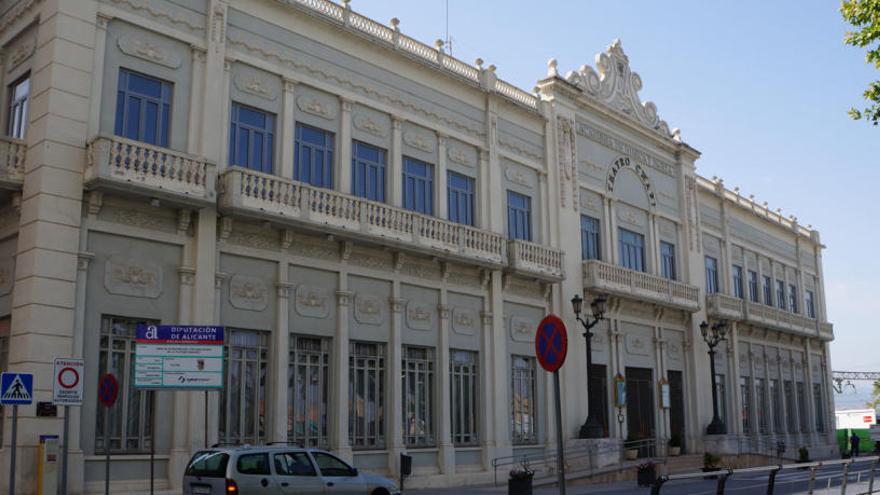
(617, 86)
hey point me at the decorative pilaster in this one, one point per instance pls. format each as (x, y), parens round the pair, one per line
(344, 146)
(487, 386)
(101, 21)
(285, 168)
(280, 358)
(394, 385)
(199, 57)
(440, 192)
(395, 172)
(444, 393)
(339, 393)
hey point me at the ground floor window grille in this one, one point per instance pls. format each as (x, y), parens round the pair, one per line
(745, 397)
(129, 419)
(788, 391)
(761, 404)
(802, 405)
(243, 399)
(366, 395)
(418, 395)
(308, 381)
(819, 400)
(776, 400)
(722, 397)
(523, 395)
(464, 378)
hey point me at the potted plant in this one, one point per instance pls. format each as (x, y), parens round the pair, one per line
(675, 446)
(711, 462)
(632, 452)
(646, 473)
(519, 481)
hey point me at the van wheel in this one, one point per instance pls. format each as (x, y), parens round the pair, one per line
(380, 491)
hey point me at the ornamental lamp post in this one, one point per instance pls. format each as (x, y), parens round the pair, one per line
(591, 428)
(713, 335)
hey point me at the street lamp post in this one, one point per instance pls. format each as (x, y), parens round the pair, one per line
(713, 335)
(591, 428)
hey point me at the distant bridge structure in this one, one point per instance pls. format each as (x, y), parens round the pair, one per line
(843, 379)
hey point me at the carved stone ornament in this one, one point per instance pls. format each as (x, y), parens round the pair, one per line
(369, 125)
(316, 106)
(130, 277)
(248, 293)
(617, 86)
(517, 176)
(148, 50)
(629, 216)
(589, 202)
(7, 276)
(522, 329)
(254, 85)
(636, 345)
(419, 141)
(368, 309)
(21, 53)
(459, 155)
(465, 321)
(419, 315)
(312, 302)
(673, 350)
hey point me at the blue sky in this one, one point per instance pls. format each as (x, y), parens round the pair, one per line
(760, 88)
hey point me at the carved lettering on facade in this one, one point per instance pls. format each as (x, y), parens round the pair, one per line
(637, 154)
(312, 302)
(248, 293)
(625, 162)
(130, 277)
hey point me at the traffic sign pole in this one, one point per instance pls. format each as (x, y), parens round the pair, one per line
(14, 448)
(107, 450)
(551, 348)
(560, 454)
(64, 450)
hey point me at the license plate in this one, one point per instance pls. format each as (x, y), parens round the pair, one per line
(200, 489)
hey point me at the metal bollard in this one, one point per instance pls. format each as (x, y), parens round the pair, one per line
(658, 484)
(812, 480)
(722, 480)
(771, 480)
(844, 478)
(871, 480)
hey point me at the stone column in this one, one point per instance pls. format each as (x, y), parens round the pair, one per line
(179, 452)
(339, 416)
(288, 124)
(440, 189)
(195, 104)
(484, 203)
(395, 171)
(487, 388)
(652, 254)
(808, 393)
(280, 358)
(614, 257)
(444, 394)
(663, 427)
(544, 199)
(734, 422)
(500, 371)
(101, 21)
(394, 397)
(343, 166)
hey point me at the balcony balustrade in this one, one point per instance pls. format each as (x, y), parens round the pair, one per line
(623, 282)
(128, 166)
(735, 309)
(536, 260)
(12, 155)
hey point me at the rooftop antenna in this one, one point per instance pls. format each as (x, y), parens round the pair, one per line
(448, 38)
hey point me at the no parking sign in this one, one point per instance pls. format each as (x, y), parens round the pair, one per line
(67, 385)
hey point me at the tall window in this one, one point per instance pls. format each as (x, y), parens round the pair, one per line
(130, 424)
(418, 186)
(810, 303)
(519, 216)
(590, 238)
(768, 291)
(143, 108)
(745, 397)
(780, 294)
(753, 286)
(251, 138)
(667, 260)
(368, 171)
(523, 395)
(460, 192)
(418, 396)
(818, 403)
(738, 281)
(632, 250)
(761, 405)
(19, 94)
(800, 388)
(711, 275)
(598, 398)
(366, 395)
(793, 298)
(776, 400)
(313, 156)
(243, 399)
(722, 396)
(788, 392)
(308, 382)
(4, 359)
(464, 377)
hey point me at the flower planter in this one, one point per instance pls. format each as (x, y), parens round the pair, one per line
(632, 454)
(674, 451)
(519, 486)
(647, 476)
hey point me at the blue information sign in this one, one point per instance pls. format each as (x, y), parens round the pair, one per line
(16, 389)
(186, 357)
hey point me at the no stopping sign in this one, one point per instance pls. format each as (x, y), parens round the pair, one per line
(67, 386)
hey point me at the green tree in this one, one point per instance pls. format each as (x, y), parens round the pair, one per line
(875, 396)
(864, 15)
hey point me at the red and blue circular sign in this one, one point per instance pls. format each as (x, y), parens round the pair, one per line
(108, 390)
(551, 343)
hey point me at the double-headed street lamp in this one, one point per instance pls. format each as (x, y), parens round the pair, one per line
(591, 428)
(713, 335)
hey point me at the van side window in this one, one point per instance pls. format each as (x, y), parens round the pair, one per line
(294, 464)
(253, 464)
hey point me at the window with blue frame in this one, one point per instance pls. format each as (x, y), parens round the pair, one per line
(313, 156)
(519, 216)
(590, 238)
(251, 138)
(753, 286)
(711, 275)
(667, 260)
(418, 186)
(738, 281)
(632, 250)
(368, 171)
(143, 108)
(460, 196)
(792, 298)
(810, 303)
(768, 291)
(780, 294)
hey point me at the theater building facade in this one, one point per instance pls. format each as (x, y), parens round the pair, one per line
(379, 226)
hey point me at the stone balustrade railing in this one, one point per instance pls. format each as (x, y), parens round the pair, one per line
(722, 306)
(536, 259)
(133, 166)
(325, 210)
(12, 154)
(617, 280)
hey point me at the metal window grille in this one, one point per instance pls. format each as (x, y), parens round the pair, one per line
(819, 400)
(788, 391)
(308, 379)
(722, 397)
(801, 390)
(524, 395)
(129, 419)
(366, 395)
(745, 396)
(418, 394)
(761, 404)
(464, 380)
(19, 93)
(776, 400)
(243, 399)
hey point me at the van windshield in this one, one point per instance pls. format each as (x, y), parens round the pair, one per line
(209, 464)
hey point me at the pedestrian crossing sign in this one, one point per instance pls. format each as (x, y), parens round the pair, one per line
(16, 389)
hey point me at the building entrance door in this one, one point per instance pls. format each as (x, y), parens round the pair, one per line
(676, 406)
(640, 405)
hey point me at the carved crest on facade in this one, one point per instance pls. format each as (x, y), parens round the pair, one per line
(464, 321)
(568, 176)
(312, 302)
(370, 126)
(21, 53)
(418, 315)
(130, 277)
(673, 350)
(254, 85)
(419, 141)
(315, 106)
(368, 309)
(522, 329)
(460, 156)
(636, 345)
(517, 176)
(248, 293)
(148, 50)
